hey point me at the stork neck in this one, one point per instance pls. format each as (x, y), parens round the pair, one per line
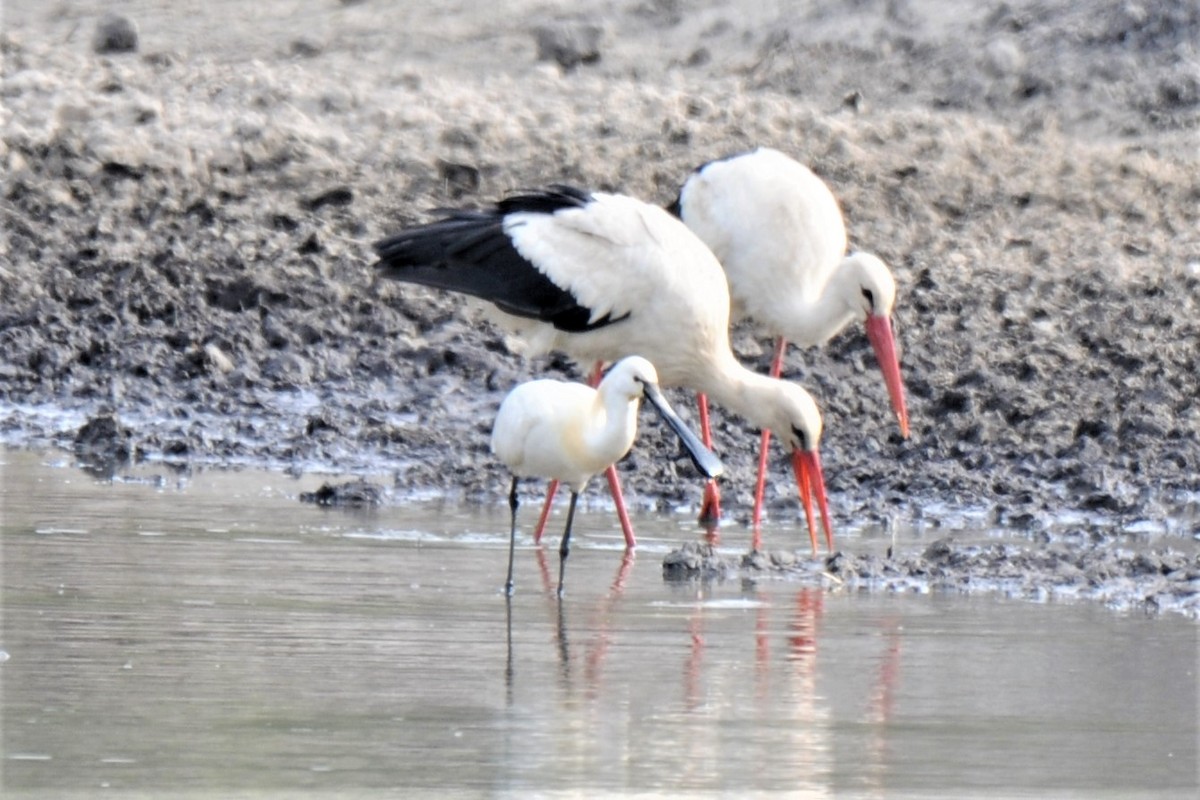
(815, 318)
(741, 390)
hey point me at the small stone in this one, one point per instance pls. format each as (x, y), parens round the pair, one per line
(568, 44)
(104, 436)
(115, 34)
(355, 494)
(755, 559)
(1002, 57)
(216, 357)
(459, 179)
(839, 562)
(305, 48)
(336, 196)
(940, 550)
(288, 369)
(783, 559)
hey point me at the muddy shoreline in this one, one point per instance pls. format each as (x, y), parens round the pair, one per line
(187, 228)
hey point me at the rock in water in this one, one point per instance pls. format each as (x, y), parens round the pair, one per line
(103, 437)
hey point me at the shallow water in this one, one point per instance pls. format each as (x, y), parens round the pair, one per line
(211, 633)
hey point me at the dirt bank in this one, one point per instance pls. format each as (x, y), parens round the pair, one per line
(186, 231)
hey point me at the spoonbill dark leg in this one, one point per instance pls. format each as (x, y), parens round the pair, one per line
(564, 548)
(513, 502)
(776, 370)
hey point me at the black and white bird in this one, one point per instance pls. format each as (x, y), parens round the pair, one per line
(602, 276)
(778, 231)
(568, 432)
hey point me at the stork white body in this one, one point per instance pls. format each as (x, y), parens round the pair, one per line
(778, 232)
(620, 257)
(599, 277)
(569, 432)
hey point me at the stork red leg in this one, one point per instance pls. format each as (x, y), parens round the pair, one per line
(614, 486)
(776, 371)
(710, 509)
(759, 489)
(551, 490)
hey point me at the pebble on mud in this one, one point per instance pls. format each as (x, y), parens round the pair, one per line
(696, 560)
(570, 44)
(115, 34)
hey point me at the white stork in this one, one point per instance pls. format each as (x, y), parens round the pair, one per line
(778, 231)
(602, 276)
(568, 432)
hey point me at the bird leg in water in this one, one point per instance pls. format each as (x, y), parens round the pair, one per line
(564, 548)
(710, 508)
(508, 663)
(614, 487)
(776, 371)
(513, 502)
(551, 490)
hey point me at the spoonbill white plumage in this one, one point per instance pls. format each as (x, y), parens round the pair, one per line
(568, 432)
(602, 276)
(778, 232)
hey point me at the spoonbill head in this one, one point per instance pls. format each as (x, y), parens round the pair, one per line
(569, 432)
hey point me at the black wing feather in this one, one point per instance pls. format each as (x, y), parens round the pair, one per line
(469, 252)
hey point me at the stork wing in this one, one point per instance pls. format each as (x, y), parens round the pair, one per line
(473, 252)
(613, 255)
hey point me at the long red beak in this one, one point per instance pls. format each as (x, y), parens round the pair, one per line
(811, 481)
(879, 331)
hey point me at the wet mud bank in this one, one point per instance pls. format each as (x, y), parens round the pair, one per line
(1163, 579)
(185, 258)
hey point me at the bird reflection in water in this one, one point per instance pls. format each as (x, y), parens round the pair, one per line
(789, 667)
(597, 647)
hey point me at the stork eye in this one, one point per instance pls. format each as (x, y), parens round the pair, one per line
(867, 293)
(801, 436)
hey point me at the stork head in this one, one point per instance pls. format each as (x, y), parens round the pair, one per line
(872, 290)
(798, 425)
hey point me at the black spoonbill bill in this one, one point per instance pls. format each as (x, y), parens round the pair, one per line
(602, 276)
(778, 231)
(568, 432)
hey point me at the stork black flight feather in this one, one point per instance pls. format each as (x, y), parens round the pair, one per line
(469, 251)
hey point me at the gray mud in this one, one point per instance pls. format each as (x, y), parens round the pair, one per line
(1054, 569)
(186, 229)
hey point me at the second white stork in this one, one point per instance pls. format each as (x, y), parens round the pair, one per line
(568, 432)
(778, 231)
(602, 276)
